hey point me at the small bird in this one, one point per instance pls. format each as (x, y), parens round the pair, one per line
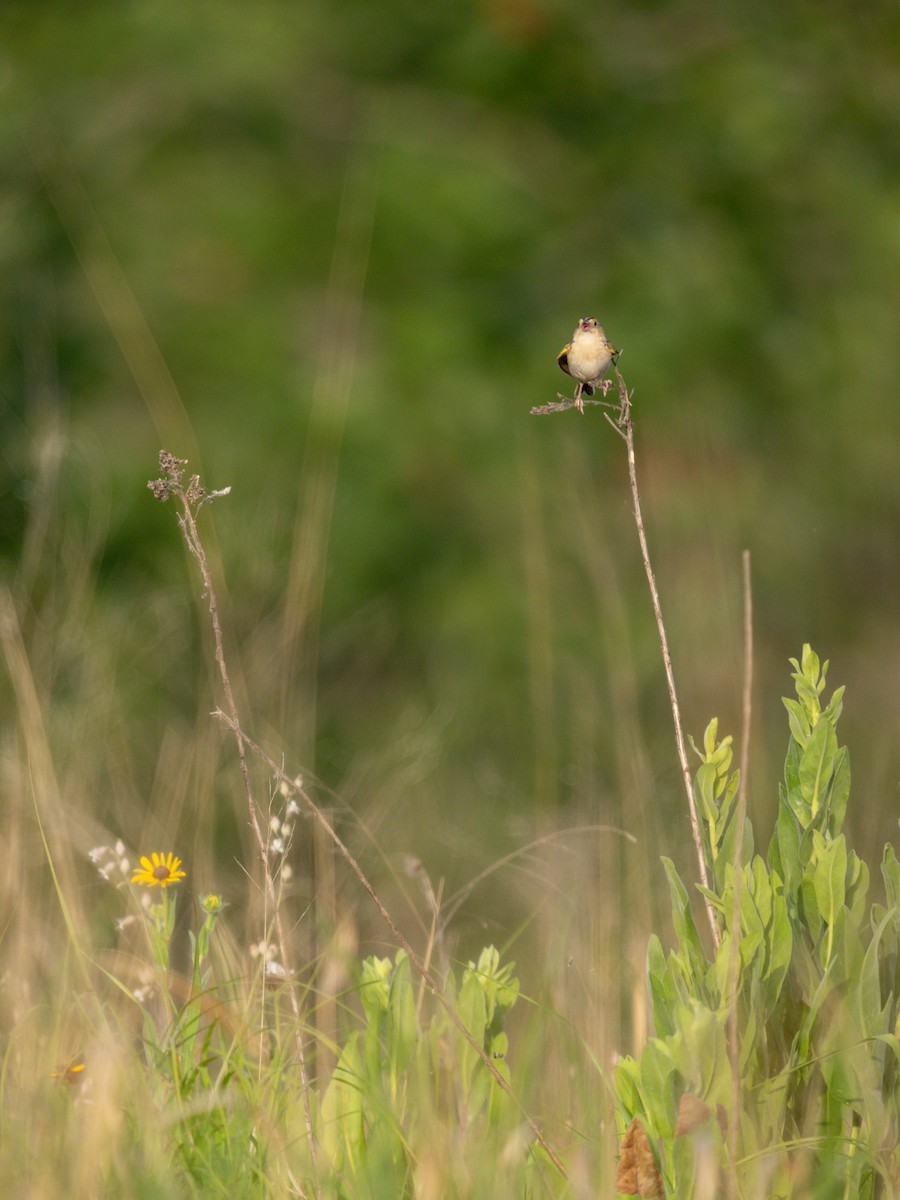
(587, 358)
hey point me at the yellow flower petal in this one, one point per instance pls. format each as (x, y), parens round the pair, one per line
(159, 870)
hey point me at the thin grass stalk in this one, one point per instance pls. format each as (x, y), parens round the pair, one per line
(734, 966)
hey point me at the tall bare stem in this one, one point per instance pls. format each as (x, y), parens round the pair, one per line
(624, 426)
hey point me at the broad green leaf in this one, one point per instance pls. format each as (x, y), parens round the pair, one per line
(657, 1087)
(499, 1100)
(848, 948)
(728, 797)
(780, 944)
(840, 790)
(771, 1099)
(713, 897)
(755, 904)
(659, 982)
(685, 928)
(840, 1077)
(890, 872)
(835, 706)
(798, 721)
(403, 1028)
(709, 737)
(705, 791)
(750, 1048)
(471, 1008)
(792, 769)
(723, 756)
(857, 888)
(808, 906)
(341, 1134)
(705, 1057)
(816, 766)
(728, 847)
(374, 987)
(819, 988)
(810, 664)
(784, 850)
(868, 985)
(830, 876)
(626, 1077)
(892, 1041)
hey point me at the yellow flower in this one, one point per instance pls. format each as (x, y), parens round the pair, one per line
(163, 870)
(70, 1073)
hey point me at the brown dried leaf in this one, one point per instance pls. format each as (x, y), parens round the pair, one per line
(692, 1114)
(638, 1174)
(626, 1174)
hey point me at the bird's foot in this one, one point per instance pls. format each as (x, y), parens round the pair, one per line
(579, 403)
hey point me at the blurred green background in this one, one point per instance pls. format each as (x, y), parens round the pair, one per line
(328, 252)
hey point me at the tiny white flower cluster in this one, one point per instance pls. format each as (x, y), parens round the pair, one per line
(288, 792)
(110, 860)
(263, 949)
(281, 830)
(279, 836)
(268, 951)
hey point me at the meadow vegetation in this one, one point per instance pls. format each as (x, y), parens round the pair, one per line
(149, 1053)
(431, 833)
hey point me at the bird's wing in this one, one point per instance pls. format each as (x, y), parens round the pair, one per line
(563, 358)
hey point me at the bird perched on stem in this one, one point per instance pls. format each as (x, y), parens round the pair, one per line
(587, 358)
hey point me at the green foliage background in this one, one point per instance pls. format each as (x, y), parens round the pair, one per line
(328, 252)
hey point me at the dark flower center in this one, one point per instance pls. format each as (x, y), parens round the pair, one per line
(161, 872)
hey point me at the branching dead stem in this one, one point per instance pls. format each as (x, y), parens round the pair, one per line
(192, 497)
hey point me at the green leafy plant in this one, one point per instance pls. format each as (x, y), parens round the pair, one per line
(809, 1104)
(397, 1071)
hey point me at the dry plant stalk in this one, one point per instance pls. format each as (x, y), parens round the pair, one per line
(192, 498)
(624, 426)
